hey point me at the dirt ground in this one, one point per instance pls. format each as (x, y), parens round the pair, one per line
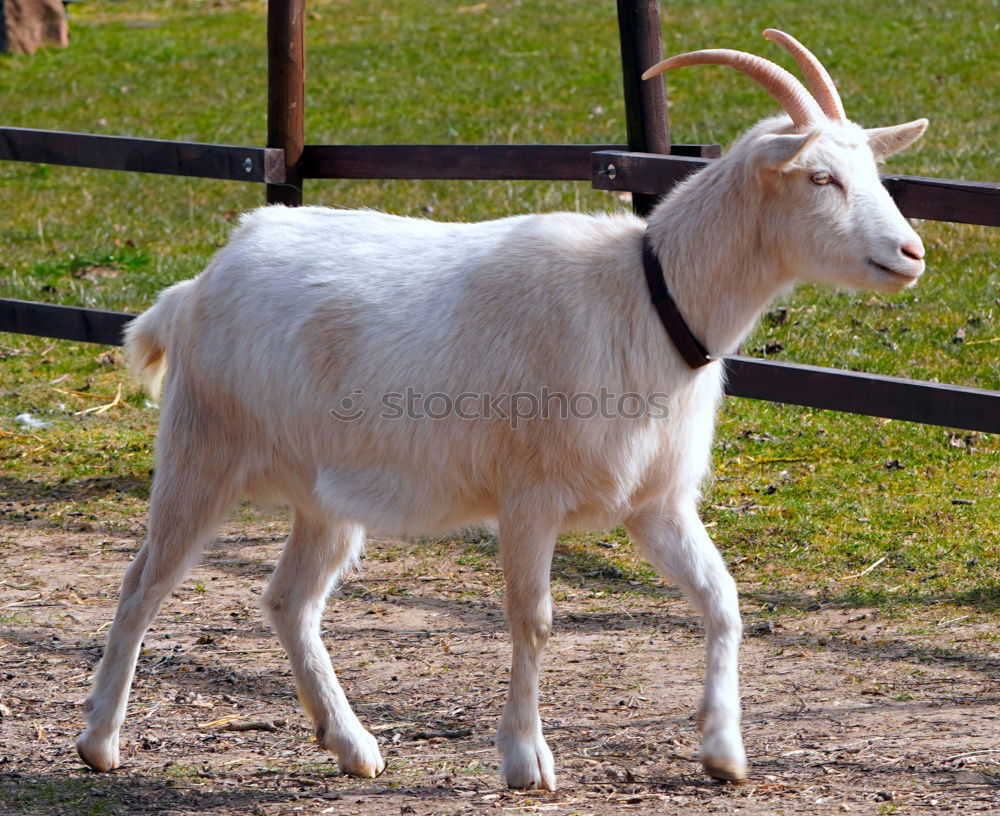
(845, 711)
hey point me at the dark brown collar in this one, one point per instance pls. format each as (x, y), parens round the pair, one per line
(689, 347)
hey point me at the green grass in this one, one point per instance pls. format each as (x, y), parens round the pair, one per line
(801, 500)
(78, 797)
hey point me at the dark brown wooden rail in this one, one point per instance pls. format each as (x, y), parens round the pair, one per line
(138, 155)
(967, 202)
(62, 322)
(570, 162)
(855, 392)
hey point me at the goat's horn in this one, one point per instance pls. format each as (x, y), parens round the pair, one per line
(784, 87)
(817, 77)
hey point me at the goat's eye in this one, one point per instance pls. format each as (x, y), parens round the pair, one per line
(821, 177)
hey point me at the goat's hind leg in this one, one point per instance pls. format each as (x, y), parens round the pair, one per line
(317, 552)
(185, 506)
(674, 540)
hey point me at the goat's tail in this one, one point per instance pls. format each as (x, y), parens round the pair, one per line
(147, 338)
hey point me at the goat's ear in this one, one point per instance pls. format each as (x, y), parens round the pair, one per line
(777, 150)
(885, 141)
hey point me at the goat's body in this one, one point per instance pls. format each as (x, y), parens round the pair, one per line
(400, 375)
(310, 311)
(329, 317)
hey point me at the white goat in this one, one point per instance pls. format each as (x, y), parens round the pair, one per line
(308, 310)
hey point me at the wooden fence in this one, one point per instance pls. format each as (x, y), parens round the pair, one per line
(648, 166)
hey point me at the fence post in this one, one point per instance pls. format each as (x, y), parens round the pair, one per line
(645, 105)
(286, 53)
(3, 27)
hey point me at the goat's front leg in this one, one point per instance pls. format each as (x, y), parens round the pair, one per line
(526, 547)
(674, 540)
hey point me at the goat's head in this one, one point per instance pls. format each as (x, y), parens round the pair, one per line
(819, 172)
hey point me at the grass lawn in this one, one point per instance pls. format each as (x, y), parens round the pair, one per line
(808, 506)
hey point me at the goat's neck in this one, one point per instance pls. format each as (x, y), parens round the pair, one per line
(718, 268)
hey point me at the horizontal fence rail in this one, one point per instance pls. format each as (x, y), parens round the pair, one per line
(266, 165)
(195, 159)
(967, 202)
(853, 392)
(570, 162)
(62, 322)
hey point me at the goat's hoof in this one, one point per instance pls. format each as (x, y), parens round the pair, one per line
(722, 755)
(100, 755)
(726, 771)
(362, 758)
(724, 758)
(529, 765)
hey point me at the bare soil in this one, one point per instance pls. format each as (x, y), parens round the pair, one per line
(845, 711)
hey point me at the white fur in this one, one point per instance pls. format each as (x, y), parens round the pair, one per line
(307, 307)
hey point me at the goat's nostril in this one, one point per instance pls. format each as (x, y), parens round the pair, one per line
(914, 251)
